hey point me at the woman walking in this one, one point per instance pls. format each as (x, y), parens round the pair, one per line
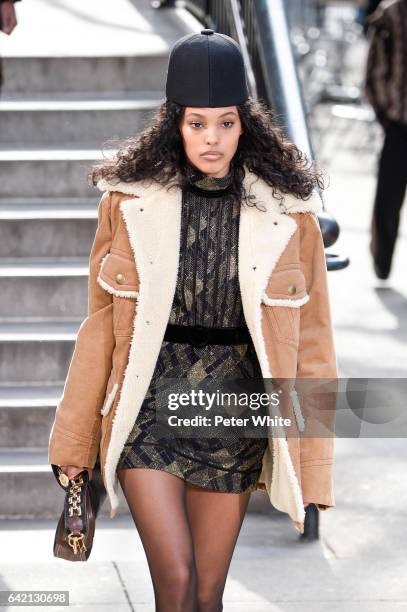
(204, 267)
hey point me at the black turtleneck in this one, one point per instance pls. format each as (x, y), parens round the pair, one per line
(210, 186)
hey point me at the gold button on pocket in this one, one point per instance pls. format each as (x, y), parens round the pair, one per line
(284, 283)
(120, 278)
(285, 294)
(119, 275)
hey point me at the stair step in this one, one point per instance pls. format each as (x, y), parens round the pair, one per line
(52, 291)
(26, 413)
(39, 330)
(48, 285)
(47, 288)
(57, 102)
(18, 459)
(44, 154)
(47, 227)
(84, 74)
(22, 209)
(50, 121)
(49, 172)
(16, 397)
(36, 351)
(43, 266)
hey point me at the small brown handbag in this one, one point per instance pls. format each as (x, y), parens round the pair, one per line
(76, 526)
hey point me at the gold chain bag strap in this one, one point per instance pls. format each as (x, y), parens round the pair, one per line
(76, 526)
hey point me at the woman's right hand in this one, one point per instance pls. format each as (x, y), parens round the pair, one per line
(72, 470)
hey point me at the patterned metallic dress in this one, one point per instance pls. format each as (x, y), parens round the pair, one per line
(207, 293)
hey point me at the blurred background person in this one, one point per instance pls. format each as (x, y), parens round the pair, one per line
(8, 21)
(386, 90)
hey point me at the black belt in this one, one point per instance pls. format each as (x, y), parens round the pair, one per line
(198, 335)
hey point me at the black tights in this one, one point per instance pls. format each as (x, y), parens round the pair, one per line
(188, 534)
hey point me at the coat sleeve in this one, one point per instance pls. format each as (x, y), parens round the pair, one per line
(317, 364)
(76, 430)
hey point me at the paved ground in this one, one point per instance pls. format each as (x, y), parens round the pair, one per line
(359, 561)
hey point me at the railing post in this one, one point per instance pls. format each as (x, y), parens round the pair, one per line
(280, 72)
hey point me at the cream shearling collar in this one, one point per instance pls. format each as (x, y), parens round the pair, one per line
(254, 185)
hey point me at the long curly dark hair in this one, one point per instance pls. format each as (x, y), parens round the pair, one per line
(157, 153)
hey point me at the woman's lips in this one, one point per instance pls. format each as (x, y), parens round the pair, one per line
(212, 155)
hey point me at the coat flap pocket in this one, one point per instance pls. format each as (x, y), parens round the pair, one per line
(119, 276)
(286, 287)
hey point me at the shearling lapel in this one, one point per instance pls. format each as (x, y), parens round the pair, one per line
(263, 236)
(153, 224)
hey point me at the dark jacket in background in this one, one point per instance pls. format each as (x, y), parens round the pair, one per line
(372, 6)
(386, 70)
(367, 11)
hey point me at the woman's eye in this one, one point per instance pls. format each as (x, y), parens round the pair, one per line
(193, 123)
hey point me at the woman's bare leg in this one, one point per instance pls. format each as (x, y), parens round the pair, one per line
(215, 519)
(156, 501)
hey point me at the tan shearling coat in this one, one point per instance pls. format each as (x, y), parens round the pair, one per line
(132, 277)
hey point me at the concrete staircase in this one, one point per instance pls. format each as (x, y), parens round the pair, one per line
(56, 112)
